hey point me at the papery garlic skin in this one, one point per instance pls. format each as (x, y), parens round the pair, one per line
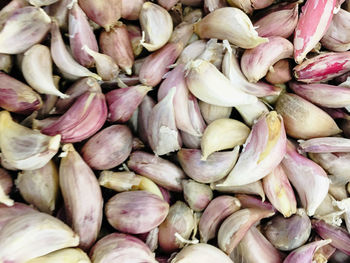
(232, 24)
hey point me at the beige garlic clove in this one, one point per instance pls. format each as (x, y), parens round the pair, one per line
(5, 187)
(255, 188)
(252, 112)
(197, 195)
(211, 112)
(6, 63)
(67, 255)
(191, 52)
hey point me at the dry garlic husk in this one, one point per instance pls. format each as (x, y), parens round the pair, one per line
(37, 234)
(156, 24)
(136, 212)
(197, 195)
(67, 255)
(208, 84)
(176, 228)
(223, 134)
(5, 187)
(25, 27)
(82, 196)
(7, 213)
(216, 212)
(263, 151)
(40, 187)
(37, 70)
(232, 24)
(211, 112)
(255, 188)
(24, 148)
(123, 248)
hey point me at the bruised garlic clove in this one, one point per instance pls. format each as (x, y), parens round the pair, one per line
(108, 148)
(40, 187)
(304, 120)
(82, 196)
(154, 16)
(136, 212)
(23, 148)
(256, 62)
(63, 59)
(255, 188)
(69, 255)
(223, 134)
(211, 112)
(5, 187)
(197, 195)
(176, 228)
(25, 27)
(37, 70)
(208, 84)
(229, 23)
(264, 150)
(122, 248)
(161, 171)
(37, 234)
(252, 112)
(216, 212)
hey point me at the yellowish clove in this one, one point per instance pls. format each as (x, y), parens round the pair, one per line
(6, 63)
(68, 255)
(211, 112)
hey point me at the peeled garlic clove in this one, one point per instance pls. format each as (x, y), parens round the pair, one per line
(116, 44)
(325, 145)
(216, 167)
(223, 134)
(263, 151)
(123, 102)
(144, 112)
(281, 21)
(154, 16)
(108, 148)
(252, 112)
(80, 35)
(287, 234)
(163, 136)
(215, 213)
(307, 177)
(255, 188)
(157, 64)
(249, 201)
(17, 97)
(313, 70)
(178, 223)
(303, 120)
(281, 72)
(233, 229)
(336, 37)
(37, 70)
(264, 251)
(135, 36)
(24, 148)
(267, 54)
(208, 84)
(5, 63)
(5, 187)
(24, 28)
(211, 112)
(136, 212)
(313, 23)
(40, 187)
(37, 234)
(64, 60)
(131, 9)
(161, 171)
(105, 13)
(7, 213)
(192, 51)
(197, 195)
(232, 24)
(83, 119)
(121, 248)
(69, 255)
(82, 196)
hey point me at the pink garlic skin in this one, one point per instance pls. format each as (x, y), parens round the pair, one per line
(8, 213)
(197, 195)
(281, 72)
(313, 23)
(145, 110)
(108, 148)
(9, 8)
(249, 201)
(325, 145)
(131, 9)
(167, 4)
(136, 212)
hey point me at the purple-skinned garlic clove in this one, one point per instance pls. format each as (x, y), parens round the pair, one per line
(144, 112)
(131, 9)
(250, 201)
(197, 195)
(280, 72)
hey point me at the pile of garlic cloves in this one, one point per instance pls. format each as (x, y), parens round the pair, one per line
(174, 131)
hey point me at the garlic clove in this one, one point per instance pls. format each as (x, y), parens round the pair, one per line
(68, 255)
(255, 188)
(135, 36)
(229, 23)
(281, 72)
(223, 134)
(136, 212)
(256, 62)
(40, 187)
(252, 112)
(154, 16)
(249, 201)
(191, 51)
(303, 120)
(37, 70)
(313, 23)
(211, 112)
(144, 112)
(307, 177)
(60, 12)
(8, 8)
(159, 170)
(37, 234)
(108, 148)
(119, 181)
(216, 167)
(263, 151)
(6, 63)
(82, 196)
(122, 248)
(42, 2)
(24, 148)
(244, 5)
(131, 9)
(197, 195)
(23, 28)
(325, 145)
(211, 5)
(10, 212)
(5, 187)
(213, 53)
